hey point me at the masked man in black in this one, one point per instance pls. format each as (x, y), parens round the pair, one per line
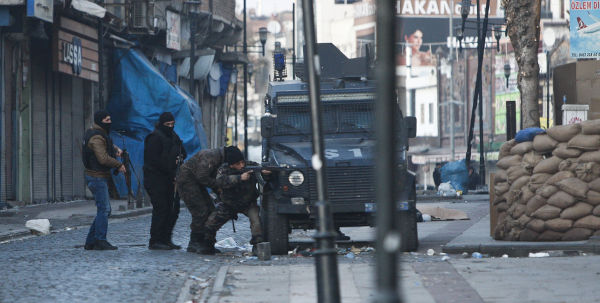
(163, 153)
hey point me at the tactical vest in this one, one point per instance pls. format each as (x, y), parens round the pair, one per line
(89, 158)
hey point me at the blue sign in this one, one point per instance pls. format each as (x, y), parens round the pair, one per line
(41, 9)
(585, 29)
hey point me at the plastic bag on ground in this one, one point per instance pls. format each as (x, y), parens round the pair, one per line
(41, 226)
(445, 189)
(227, 243)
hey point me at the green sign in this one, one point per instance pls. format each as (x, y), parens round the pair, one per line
(500, 128)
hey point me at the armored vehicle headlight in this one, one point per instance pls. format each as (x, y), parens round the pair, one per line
(296, 178)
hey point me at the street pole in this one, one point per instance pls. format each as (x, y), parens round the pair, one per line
(193, 55)
(387, 181)
(294, 40)
(547, 89)
(451, 105)
(326, 254)
(477, 95)
(245, 50)
(235, 114)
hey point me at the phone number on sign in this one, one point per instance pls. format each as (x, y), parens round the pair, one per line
(586, 55)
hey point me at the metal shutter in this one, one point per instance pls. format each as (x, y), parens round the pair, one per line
(77, 131)
(39, 147)
(70, 90)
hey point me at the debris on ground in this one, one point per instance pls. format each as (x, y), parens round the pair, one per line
(539, 255)
(445, 258)
(430, 252)
(442, 214)
(476, 255)
(504, 256)
(350, 256)
(39, 226)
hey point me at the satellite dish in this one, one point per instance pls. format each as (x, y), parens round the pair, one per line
(549, 38)
(274, 27)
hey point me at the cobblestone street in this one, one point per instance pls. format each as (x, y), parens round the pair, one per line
(55, 268)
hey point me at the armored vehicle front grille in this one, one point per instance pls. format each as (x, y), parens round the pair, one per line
(346, 184)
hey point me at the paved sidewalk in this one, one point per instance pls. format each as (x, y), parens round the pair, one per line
(477, 239)
(62, 215)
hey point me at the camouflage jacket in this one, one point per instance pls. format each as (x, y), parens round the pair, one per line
(239, 193)
(202, 168)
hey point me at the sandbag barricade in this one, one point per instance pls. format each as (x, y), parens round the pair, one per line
(548, 189)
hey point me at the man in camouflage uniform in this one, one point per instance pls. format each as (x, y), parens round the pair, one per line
(195, 175)
(237, 196)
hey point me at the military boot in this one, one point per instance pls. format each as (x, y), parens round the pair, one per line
(195, 243)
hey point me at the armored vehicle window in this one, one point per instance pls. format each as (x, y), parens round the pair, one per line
(355, 117)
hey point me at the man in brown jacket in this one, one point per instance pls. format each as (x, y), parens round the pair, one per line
(99, 157)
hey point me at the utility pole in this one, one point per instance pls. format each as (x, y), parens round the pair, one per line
(451, 105)
(245, 50)
(388, 184)
(326, 255)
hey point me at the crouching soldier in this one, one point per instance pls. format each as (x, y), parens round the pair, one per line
(197, 174)
(238, 195)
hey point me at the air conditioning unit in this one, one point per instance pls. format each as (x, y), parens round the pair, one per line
(139, 14)
(116, 7)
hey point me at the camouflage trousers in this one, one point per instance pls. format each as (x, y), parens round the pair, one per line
(224, 213)
(198, 202)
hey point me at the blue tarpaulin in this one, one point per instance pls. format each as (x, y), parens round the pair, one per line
(457, 174)
(140, 94)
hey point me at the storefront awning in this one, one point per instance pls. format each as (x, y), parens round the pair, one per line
(89, 8)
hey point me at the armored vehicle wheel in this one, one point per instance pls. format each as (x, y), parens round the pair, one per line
(275, 226)
(408, 225)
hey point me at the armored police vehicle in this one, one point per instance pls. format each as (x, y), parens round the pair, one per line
(348, 101)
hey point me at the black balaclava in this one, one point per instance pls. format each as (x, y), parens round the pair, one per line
(233, 155)
(99, 116)
(165, 117)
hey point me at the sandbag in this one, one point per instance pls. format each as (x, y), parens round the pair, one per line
(564, 133)
(543, 143)
(503, 206)
(563, 151)
(590, 127)
(514, 233)
(518, 184)
(574, 187)
(561, 175)
(513, 197)
(534, 186)
(498, 199)
(595, 185)
(505, 148)
(528, 235)
(534, 204)
(547, 190)
(501, 188)
(510, 161)
(500, 176)
(591, 222)
(539, 178)
(585, 142)
(558, 224)
(577, 234)
(521, 148)
(561, 199)
(548, 166)
(590, 156)
(593, 197)
(587, 172)
(550, 235)
(526, 195)
(546, 212)
(596, 211)
(515, 173)
(527, 134)
(567, 165)
(518, 211)
(576, 211)
(537, 225)
(523, 220)
(530, 160)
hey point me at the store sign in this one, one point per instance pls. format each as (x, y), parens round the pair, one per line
(41, 9)
(584, 29)
(173, 30)
(442, 8)
(75, 50)
(71, 54)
